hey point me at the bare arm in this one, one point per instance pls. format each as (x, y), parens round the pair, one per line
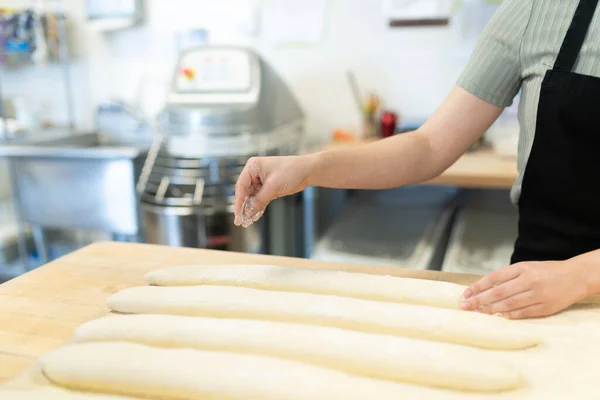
(413, 157)
(401, 160)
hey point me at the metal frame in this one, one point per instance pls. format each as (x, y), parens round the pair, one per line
(56, 7)
(64, 59)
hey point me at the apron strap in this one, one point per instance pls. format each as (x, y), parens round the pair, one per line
(571, 47)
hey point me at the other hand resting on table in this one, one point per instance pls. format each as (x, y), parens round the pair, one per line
(535, 289)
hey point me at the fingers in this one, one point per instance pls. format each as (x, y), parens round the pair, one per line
(252, 195)
(494, 279)
(526, 290)
(256, 204)
(242, 188)
(532, 311)
(249, 216)
(497, 293)
(512, 303)
(261, 181)
(249, 182)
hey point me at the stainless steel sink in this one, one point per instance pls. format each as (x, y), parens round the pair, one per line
(84, 145)
(83, 181)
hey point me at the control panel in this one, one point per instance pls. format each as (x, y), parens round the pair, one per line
(214, 70)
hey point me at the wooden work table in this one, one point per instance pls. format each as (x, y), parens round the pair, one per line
(481, 168)
(40, 310)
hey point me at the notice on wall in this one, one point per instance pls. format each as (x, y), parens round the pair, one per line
(226, 21)
(111, 8)
(417, 9)
(469, 20)
(294, 21)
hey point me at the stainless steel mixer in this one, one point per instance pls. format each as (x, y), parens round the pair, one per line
(226, 105)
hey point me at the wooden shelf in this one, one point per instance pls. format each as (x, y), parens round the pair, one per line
(404, 23)
(480, 169)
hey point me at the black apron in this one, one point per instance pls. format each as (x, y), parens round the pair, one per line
(559, 207)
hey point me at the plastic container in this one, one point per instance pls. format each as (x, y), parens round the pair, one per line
(405, 227)
(483, 234)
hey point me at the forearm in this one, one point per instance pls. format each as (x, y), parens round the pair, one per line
(396, 161)
(411, 157)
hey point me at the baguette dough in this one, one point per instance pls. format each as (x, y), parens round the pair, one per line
(376, 356)
(290, 279)
(454, 326)
(51, 393)
(184, 374)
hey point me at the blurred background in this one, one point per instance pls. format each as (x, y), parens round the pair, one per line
(130, 120)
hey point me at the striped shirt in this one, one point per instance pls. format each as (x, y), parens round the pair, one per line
(518, 46)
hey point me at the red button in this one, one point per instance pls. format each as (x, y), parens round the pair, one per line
(188, 73)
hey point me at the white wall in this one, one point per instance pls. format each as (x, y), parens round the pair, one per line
(411, 68)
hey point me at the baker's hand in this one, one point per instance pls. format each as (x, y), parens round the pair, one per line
(529, 290)
(265, 179)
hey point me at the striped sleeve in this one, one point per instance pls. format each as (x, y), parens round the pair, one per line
(493, 72)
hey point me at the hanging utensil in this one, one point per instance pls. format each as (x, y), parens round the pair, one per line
(355, 90)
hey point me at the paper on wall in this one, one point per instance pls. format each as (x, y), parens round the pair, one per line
(294, 21)
(237, 18)
(470, 20)
(417, 9)
(111, 8)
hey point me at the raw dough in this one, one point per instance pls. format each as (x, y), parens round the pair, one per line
(184, 374)
(376, 356)
(339, 283)
(50, 393)
(422, 322)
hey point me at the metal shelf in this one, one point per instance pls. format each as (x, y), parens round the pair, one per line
(53, 9)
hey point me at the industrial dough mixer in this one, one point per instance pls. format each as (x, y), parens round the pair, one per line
(225, 106)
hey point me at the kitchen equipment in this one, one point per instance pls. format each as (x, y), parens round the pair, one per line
(123, 123)
(405, 227)
(224, 106)
(83, 181)
(367, 108)
(192, 205)
(42, 38)
(35, 32)
(10, 266)
(356, 93)
(370, 118)
(483, 235)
